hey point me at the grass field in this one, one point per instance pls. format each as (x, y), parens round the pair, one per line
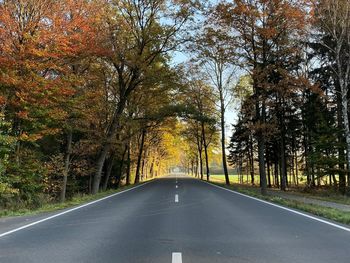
(234, 178)
(221, 178)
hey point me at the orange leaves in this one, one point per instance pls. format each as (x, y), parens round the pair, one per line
(2, 100)
(33, 137)
(22, 114)
(42, 42)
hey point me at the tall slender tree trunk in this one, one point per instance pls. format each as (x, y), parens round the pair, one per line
(346, 123)
(151, 168)
(67, 158)
(282, 146)
(144, 164)
(199, 138)
(268, 169)
(261, 149)
(128, 165)
(262, 172)
(223, 138)
(111, 134)
(108, 173)
(192, 167)
(277, 183)
(205, 151)
(283, 166)
(139, 157)
(200, 159)
(341, 152)
(251, 161)
(121, 166)
(90, 184)
(296, 168)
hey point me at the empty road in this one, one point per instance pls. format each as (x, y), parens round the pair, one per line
(175, 220)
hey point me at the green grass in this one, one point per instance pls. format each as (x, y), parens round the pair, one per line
(323, 194)
(326, 212)
(50, 207)
(221, 178)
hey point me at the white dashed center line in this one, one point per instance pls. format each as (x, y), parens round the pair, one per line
(176, 257)
(176, 198)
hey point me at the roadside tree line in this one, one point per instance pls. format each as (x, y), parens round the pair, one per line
(86, 94)
(293, 94)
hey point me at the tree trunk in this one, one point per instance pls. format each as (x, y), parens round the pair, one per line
(200, 158)
(205, 151)
(108, 172)
(143, 170)
(192, 168)
(128, 164)
(341, 157)
(151, 169)
(261, 152)
(121, 166)
(283, 165)
(200, 152)
(277, 183)
(251, 162)
(66, 165)
(223, 141)
(296, 168)
(139, 157)
(268, 169)
(111, 134)
(90, 183)
(344, 97)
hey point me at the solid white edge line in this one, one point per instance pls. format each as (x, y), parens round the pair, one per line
(282, 207)
(176, 198)
(176, 257)
(70, 210)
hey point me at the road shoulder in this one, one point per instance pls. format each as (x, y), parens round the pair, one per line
(331, 211)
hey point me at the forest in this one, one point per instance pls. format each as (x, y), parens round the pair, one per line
(98, 94)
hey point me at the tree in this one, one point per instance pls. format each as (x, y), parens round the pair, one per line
(213, 49)
(135, 44)
(332, 17)
(266, 32)
(202, 99)
(41, 41)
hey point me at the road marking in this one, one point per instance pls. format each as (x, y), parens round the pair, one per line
(70, 210)
(284, 208)
(176, 187)
(176, 257)
(176, 198)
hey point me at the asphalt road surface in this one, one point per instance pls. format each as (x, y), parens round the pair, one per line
(174, 220)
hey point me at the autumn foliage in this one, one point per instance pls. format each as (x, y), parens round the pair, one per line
(73, 77)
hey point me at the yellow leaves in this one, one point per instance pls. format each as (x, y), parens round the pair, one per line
(26, 137)
(23, 137)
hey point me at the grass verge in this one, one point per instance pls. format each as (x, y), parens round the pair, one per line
(326, 212)
(51, 207)
(324, 194)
